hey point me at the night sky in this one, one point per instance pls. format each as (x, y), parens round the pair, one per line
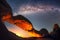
(42, 13)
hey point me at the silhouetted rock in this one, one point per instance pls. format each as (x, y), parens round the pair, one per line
(5, 8)
(22, 21)
(4, 33)
(44, 32)
(20, 17)
(56, 32)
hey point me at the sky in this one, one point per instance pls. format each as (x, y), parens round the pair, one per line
(41, 13)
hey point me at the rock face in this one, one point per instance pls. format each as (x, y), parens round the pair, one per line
(4, 33)
(4, 8)
(3, 29)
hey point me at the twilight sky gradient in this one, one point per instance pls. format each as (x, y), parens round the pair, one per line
(42, 13)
